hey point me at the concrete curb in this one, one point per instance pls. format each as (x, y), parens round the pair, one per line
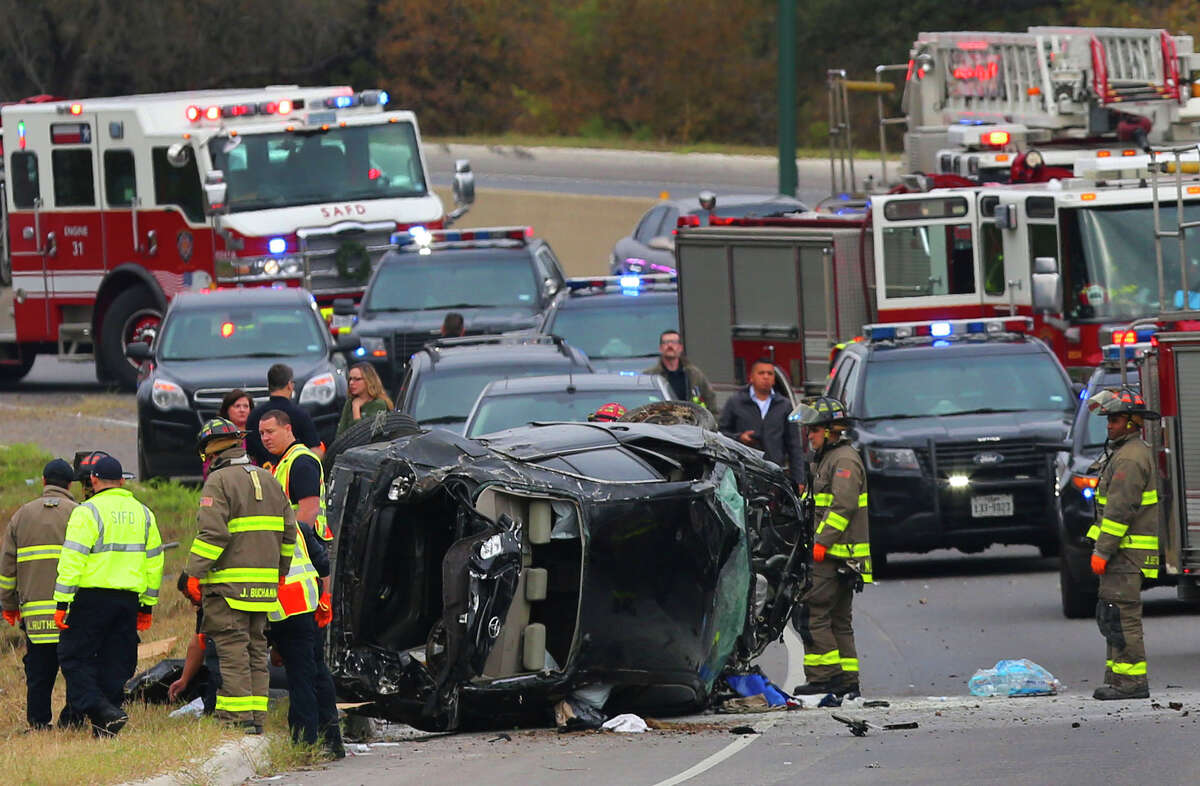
(232, 763)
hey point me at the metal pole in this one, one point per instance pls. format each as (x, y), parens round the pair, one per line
(787, 97)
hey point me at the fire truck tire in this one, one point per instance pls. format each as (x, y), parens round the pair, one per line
(1078, 602)
(11, 374)
(124, 316)
(383, 427)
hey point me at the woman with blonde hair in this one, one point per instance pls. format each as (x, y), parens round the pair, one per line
(366, 396)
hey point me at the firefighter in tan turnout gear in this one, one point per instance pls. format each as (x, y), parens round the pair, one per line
(841, 551)
(242, 552)
(28, 569)
(1126, 538)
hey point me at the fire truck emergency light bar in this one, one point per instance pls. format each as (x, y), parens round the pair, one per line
(625, 283)
(944, 328)
(284, 106)
(1114, 352)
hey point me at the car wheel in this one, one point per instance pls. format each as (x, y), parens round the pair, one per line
(879, 562)
(10, 374)
(1077, 602)
(133, 316)
(672, 413)
(383, 427)
(1048, 549)
(143, 466)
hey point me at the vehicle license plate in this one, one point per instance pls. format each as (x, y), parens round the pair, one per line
(992, 505)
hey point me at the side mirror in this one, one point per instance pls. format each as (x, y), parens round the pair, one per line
(707, 199)
(1005, 216)
(347, 342)
(1047, 286)
(214, 192)
(138, 351)
(662, 243)
(464, 190)
(178, 155)
(344, 307)
(549, 288)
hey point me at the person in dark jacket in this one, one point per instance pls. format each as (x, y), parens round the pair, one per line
(281, 384)
(758, 416)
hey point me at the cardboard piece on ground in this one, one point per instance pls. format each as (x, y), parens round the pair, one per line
(349, 705)
(156, 649)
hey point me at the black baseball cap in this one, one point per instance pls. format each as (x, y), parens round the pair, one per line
(58, 472)
(107, 468)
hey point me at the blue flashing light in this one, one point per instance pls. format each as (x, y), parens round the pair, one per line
(360, 353)
(1083, 394)
(878, 332)
(341, 102)
(631, 292)
(1088, 493)
(941, 342)
(976, 327)
(628, 373)
(940, 329)
(383, 97)
(277, 245)
(630, 282)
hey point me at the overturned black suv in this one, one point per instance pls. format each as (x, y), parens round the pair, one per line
(488, 578)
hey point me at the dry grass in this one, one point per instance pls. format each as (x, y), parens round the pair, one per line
(283, 755)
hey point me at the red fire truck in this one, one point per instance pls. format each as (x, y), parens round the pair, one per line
(113, 205)
(1078, 255)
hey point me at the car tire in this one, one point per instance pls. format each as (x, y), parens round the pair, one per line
(10, 374)
(1048, 549)
(672, 413)
(126, 314)
(143, 466)
(1077, 602)
(879, 562)
(383, 427)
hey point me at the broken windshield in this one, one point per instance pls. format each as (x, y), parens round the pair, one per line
(1111, 270)
(379, 161)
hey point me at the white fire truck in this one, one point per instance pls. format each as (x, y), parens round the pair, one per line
(974, 102)
(115, 204)
(1078, 255)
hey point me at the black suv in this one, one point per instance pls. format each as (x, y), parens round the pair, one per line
(617, 320)
(213, 342)
(446, 376)
(1077, 480)
(500, 280)
(956, 428)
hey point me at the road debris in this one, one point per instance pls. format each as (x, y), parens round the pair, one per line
(859, 727)
(501, 737)
(744, 730)
(1019, 677)
(627, 723)
(876, 703)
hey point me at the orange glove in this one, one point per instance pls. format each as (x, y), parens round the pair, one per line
(12, 617)
(60, 619)
(1099, 564)
(143, 620)
(193, 589)
(819, 552)
(324, 613)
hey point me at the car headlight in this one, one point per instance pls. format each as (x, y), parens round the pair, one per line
(319, 390)
(372, 347)
(892, 459)
(168, 395)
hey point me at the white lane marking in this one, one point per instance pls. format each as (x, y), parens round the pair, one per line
(78, 416)
(718, 757)
(795, 675)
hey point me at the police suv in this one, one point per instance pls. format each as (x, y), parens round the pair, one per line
(953, 420)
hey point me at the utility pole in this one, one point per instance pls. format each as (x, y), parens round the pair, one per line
(787, 97)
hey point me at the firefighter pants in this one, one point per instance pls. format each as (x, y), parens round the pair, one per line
(1119, 617)
(41, 670)
(98, 650)
(312, 704)
(825, 626)
(241, 643)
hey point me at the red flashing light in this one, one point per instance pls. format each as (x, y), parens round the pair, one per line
(373, 174)
(973, 46)
(76, 109)
(997, 138)
(192, 113)
(212, 113)
(1103, 153)
(1125, 337)
(1016, 326)
(984, 72)
(688, 221)
(285, 107)
(1082, 482)
(227, 329)
(1154, 341)
(379, 353)
(1129, 152)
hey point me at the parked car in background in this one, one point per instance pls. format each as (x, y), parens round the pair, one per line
(501, 279)
(508, 403)
(213, 342)
(446, 376)
(616, 320)
(956, 422)
(650, 248)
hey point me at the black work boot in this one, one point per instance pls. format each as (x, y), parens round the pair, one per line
(1110, 693)
(108, 721)
(847, 687)
(813, 686)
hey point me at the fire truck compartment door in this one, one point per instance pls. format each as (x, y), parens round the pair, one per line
(705, 308)
(925, 247)
(1187, 422)
(128, 189)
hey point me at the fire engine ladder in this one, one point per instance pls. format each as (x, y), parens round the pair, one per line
(842, 179)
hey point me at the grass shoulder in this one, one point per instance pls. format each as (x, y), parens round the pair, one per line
(626, 143)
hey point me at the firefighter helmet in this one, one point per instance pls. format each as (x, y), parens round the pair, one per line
(819, 411)
(608, 413)
(1119, 401)
(217, 428)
